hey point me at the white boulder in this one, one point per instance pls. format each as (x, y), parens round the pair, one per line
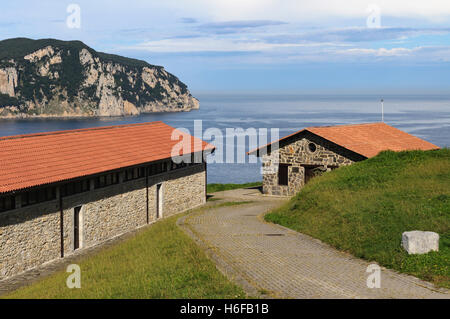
(420, 242)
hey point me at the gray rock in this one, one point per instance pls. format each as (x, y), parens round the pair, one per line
(420, 242)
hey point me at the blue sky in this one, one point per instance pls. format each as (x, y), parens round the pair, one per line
(262, 45)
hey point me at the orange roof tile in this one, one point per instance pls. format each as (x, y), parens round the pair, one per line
(367, 139)
(43, 158)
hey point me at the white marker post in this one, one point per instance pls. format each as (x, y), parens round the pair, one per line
(382, 110)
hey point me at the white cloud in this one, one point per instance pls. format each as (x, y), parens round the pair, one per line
(425, 54)
(324, 30)
(258, 52)
(309, 10)
(209, 44)
(380, 51)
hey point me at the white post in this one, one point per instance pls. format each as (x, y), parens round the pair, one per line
(382, 110)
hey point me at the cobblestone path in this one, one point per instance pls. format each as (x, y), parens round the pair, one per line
(272, 261)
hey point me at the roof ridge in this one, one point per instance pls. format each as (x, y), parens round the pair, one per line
(341, 125)
(61, 132)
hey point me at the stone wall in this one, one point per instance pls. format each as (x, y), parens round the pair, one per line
(296, 153)
(182, 189)
(31, 235)
(105, 213)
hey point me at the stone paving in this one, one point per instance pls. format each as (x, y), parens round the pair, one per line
(275, 262)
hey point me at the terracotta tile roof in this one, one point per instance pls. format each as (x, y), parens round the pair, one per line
(367, 139)
(43, 158)
(370, 139)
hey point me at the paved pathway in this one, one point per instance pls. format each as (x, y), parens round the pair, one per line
(272, 260)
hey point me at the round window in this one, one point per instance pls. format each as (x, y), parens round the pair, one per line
(312, 147)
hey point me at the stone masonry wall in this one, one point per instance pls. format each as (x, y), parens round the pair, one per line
(105, 213)
(182, 189)
(117, 209)
(30, 236)
(296, 153)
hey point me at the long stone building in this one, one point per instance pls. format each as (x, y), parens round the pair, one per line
(293, 160)
(64, 191)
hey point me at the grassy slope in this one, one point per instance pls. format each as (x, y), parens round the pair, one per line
(159, 262)
(212, 188)
(365, 207)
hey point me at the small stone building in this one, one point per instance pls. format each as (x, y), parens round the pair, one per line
(61, 192)
(307, 153)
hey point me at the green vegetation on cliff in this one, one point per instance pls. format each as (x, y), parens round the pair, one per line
(17, 48)
(5, 99)
(60, 73)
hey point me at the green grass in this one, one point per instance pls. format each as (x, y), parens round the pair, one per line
(364, 209)
(212, 188)
(159, 262)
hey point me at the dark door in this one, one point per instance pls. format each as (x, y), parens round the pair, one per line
(76, 227)
(283, 174)
(309, 173)
(312, 171)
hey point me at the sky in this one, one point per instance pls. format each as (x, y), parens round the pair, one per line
(318, 46)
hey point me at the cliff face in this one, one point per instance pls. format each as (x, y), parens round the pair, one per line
(57, 78)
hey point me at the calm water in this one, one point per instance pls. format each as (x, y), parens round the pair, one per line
(427, 117)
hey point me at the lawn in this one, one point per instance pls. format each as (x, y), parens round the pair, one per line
(161, 261)
(212, 188)
(364, 208)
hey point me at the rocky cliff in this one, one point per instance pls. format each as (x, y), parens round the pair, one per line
(67, 78)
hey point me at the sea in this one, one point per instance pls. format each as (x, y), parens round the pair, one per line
(426, 116)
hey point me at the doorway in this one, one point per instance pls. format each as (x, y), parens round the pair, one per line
(76, 227)
(159, 200)
(283, 174)
(312, 171)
